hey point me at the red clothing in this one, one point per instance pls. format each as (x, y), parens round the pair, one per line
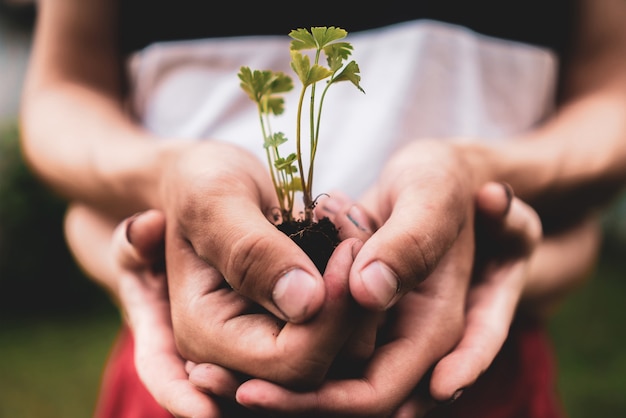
(122, 394)
(519, 384)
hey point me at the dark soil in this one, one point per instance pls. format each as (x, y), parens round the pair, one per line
(317, 239)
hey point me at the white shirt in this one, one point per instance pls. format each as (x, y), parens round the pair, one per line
(421, 79)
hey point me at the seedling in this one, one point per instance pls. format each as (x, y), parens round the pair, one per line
(294, 173)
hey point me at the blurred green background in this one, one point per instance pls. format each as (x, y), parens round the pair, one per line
(56, 326)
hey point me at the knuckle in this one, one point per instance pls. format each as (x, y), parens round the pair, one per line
(303, 374)
(416, 264)
(246, 260)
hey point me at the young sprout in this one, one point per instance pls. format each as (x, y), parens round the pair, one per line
(265, 89)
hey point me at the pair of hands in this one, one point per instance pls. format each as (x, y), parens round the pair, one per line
(416, 267)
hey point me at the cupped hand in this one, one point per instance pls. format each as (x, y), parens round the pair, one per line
(217, 199)
(423, 206)
(222, 327)
(419, 250)
(143, 294)
(303, 350)
(400, 379)
(134, 275)
(237, 284)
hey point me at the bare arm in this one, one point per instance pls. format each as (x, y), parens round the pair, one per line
(79, 139)
(76, 134)
(577, 160)
(561, 263)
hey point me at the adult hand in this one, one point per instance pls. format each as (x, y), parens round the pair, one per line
(415, 330)
(134, 275)
(423, 207)
(217, 199)
(143, 293)
(224, 259)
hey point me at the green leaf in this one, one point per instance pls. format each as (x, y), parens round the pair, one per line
(260, 85)
(280, 83)
(291, 169)
(286, 163)
(295, 185)
(350, 73)
(336, 53)
(291, 158)
(301, 65)
(275, 105)
(275, 140)
(247, 83)
(317, 38)
(302, 39)
(325, 35)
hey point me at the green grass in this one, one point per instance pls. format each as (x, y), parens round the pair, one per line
(50, 367)
(590, 341)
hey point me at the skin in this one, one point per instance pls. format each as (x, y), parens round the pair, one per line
(390, 384)
(107, 162)
(130, 274)
(493, 302)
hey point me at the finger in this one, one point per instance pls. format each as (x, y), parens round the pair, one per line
(414, 342)
(377, 393)
(146, 232)
(492, 301)
(223, 213)
(315, 345)
(262, 263)
(216, 325)
(507, 218)
(214, 380)
(491, 308)
(361, 343)
(414, 407)
(493, 200)
(351, 220)
(146, 309)
(168, 382)
(419, 231)
(139, 240)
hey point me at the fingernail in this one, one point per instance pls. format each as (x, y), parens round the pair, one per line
(331, 205)
(293, 294)
(358, 218)
(508, 190)
(128, 226)
(380, 282)
(455, 396)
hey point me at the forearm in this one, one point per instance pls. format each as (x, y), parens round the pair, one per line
(560, 264)
(79, 143)
(576, 160)
(75, 132)
(89, 235)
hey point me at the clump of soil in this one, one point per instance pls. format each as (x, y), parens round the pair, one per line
(318, 239)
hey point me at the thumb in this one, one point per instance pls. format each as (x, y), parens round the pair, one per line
(139, 239)
(401, 254)
(262, 263)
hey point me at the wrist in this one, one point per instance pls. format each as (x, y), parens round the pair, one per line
(529, 171)
(484, 162)
(131, 175)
